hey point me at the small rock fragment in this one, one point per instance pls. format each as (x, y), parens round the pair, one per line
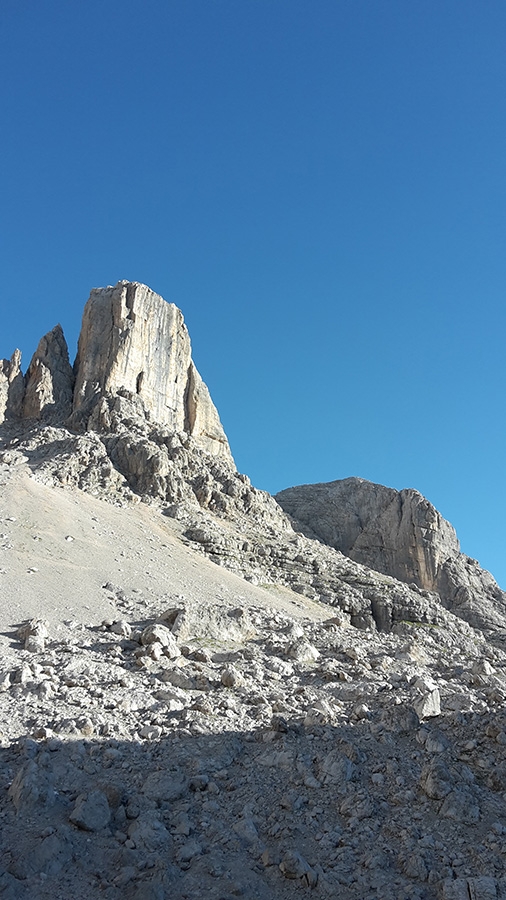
(121, 627)
(303, 652)
(293, 865)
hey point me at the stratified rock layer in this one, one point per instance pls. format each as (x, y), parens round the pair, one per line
(400, 534)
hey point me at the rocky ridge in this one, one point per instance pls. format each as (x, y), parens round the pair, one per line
(132, 344)
(305, 722)
(401, 534)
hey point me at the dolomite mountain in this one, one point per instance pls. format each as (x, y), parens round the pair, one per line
(209, 692)
(399, 533)
(132, 344)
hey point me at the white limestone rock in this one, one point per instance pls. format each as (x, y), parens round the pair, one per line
(400, 534)
(49, 380)
(34, 634)
(159, 641)
(427, 703)
(303, 652)
(396, 532)
(133, 341)
(190, 621)
(12, 386)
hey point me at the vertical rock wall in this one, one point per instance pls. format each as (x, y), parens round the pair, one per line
(132, 340)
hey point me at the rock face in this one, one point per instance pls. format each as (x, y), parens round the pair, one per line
(400, 534)
(311, 724)
(396, 532)
(11, 386)
(132, 340)
(132, 344)
(49, 380)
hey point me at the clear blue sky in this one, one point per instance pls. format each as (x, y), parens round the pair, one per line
(318, 184)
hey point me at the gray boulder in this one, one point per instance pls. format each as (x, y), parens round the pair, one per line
(91, 812)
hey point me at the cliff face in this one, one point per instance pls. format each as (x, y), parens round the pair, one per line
(134, 419)
(132, 344)
(11, 386)
(398, 533)
(49, 380)
(132, 340)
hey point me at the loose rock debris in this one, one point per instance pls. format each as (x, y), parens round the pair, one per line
(245, 769)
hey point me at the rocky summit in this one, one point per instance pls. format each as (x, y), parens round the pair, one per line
(206, 691)
(132, 344)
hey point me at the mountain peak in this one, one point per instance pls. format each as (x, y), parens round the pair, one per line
(133, 343)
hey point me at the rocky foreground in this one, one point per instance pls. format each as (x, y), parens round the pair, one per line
(203, 696)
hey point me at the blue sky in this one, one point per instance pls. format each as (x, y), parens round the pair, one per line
(319, 186)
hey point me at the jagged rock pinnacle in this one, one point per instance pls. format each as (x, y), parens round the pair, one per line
(132, 342)
(49, 379)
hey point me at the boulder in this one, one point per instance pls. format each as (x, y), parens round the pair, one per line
(91, 812)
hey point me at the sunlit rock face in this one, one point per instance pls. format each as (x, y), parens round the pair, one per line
(46, 391)
(133, 341)
(396, 532)
(401, 534)
(134, 346)
(49, 382)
